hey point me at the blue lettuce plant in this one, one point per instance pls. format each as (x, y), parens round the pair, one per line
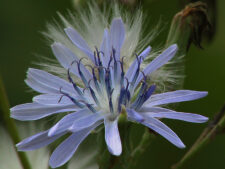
(102, 83)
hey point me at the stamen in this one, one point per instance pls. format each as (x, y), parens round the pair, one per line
(81, 74)
(144, 76)
(101, 75)
(85, 89)
(143, 88)
(114, 54)
(108, 82)
(121, 98)
(149, 92)
(136, 74)
(131, 89)
(100, 52)
(89, 106)
(110, 60)
(94, 96)
(73, 83)
(137, 102)
(122, 73)
(110, 101)
(115, 65)
(77, 61)
(121, 63)
(71, 98)
(95, 80)
(136, 55)
(145, 96)
(128, 83)
(98, 55)
(127, 96)
(141, 58)
(87, 65)
(95, 59)
(60, 98)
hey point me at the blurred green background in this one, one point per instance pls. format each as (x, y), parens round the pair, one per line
(21, 24)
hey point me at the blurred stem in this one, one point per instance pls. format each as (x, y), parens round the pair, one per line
(214, 128)
(146, 140)
(10, 125)
(65, 166)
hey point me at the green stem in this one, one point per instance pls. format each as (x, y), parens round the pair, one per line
(146, 140)
(207, 135)
(10, 125)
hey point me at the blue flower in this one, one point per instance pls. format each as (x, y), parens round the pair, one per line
(107, 89)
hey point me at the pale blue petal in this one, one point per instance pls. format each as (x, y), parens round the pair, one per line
(66, 57)
(35, 111)
(163, 130)
(105, 48)
(86, 121)
(76, 38)
(44, 82)
(174, 97)
(134, 116)
(159, 61)
(37, 141)
(189, 117)
(117, 35)
(133, 68)
(52, 99)
(158, 127)
(147, 108)
(68, 147)
(112, 137)
(67, 121)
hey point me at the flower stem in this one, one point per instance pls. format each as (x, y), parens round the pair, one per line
(10, 125)
(146, 140)
(214, 128)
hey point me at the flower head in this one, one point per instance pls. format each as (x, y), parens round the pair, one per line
(108, 86)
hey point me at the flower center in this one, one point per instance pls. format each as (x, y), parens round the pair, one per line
(109, 88)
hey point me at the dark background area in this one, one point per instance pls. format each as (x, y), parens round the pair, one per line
(20, 39)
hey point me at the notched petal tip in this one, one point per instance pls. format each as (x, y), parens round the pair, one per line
(117, 19)
(203, 94)
(21, 146)
(112, 137)
(181, 145)
(200, 94)
(149, 48)
(52, 164)
(178, 143)
(203, 119)
(174, 47)
(172, 50)
(56, 44)
(68, 29)
(116, 153)
(18, 145)
(14, 113)
(51, 131)
(13, 116)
